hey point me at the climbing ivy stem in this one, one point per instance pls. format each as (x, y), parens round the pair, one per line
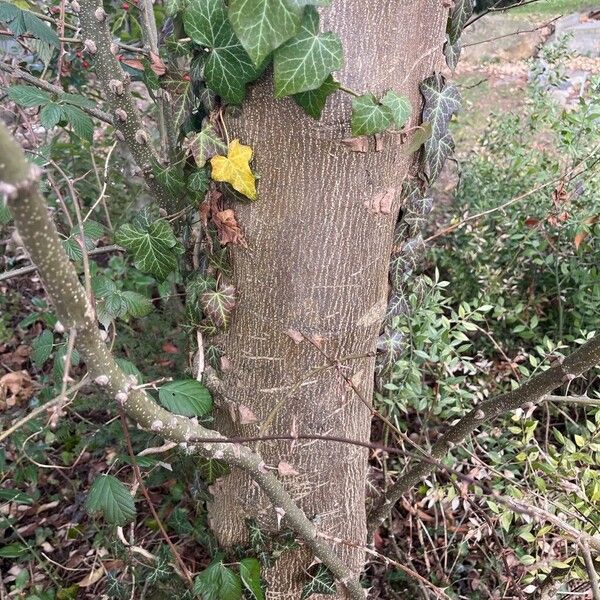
(348, 91)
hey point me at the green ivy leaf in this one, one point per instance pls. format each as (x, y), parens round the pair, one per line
(218, 304)
(313, 101)
(459, 15)
(28, 96)
(206, 143)
(304, 62)
(155, 249)
(218, 582)
(42, 348)
(452, 53)
(50, 115)
(399, 106)
(187, 397)
(390, 346)
(441, 102)
(369, 116)
(211, 469)
(111, 498)
(263, 25)
(82, 124)
(250, 574)
(321, 582)
(228, 68)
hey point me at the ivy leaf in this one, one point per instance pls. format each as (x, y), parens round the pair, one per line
(304, 62)
(155, 249)
(399, 106)
(452, 53)
(205, 144)
(82, 124)
(390, 346)
(28, 96)
(218, 304)
(211, 469)
(313, 101)
(187, 397)
(321, 582)
(218, 582)
(263, 25)
(250, 574)
(369, 116)
(42, 348)
(228, 68)
(459, 15)
(110, 497)
(50, 115)
(441, 102)
(235, 169)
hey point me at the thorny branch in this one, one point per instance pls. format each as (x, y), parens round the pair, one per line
(19, 184)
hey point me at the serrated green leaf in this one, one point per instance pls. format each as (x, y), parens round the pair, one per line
(441, 102)
(92, 232)
(83, 126)
(28, 96)
(42, 348)
(313, 101)
(13, 551)
(218, 304)
(40, 29)
(459, 15)
(263, 25)
(369, 116)
(206, 143)
(72, 247)
(304, 62)
(399, 106)
(111, 498)
(228, 68)
(250, 574)
(77, 100)
(155, 249)
(187, 397)
(50, 115)
(321, 582)
(218, 582)
(137, 305)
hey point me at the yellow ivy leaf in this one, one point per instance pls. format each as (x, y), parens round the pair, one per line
(235, 169)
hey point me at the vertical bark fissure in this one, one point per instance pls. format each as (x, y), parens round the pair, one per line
(317, 263)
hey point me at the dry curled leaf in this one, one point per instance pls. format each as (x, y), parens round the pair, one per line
(228, 229)
(357, 144)
(382, 202)
(286, 470)
(295, 335)
(247, 417)
(157, 65)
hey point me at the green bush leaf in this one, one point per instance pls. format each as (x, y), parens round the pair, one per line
(218, 582)
(227, 68)
(39, 29)
(50, 115)
(111, 498)
(399, 106)
(13, 551)
(250, 574)
(313, 101)
(187, 397)
(155, 249)
(263, 25)
(82, 124)
(129, 369)
(42, 348)
(369, 116)
(304, 62)
(28, 96)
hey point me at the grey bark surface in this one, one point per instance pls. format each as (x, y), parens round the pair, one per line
(317, 263)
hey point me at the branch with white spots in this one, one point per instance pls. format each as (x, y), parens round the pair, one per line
(19, 185)
(531, 392)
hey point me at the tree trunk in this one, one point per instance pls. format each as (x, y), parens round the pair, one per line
(317, 264)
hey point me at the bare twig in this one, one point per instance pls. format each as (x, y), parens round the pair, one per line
(581, 400)
(500, 37)
(495, 8)
(591, 569)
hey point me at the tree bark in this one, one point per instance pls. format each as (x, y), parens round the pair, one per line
(317, 263)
